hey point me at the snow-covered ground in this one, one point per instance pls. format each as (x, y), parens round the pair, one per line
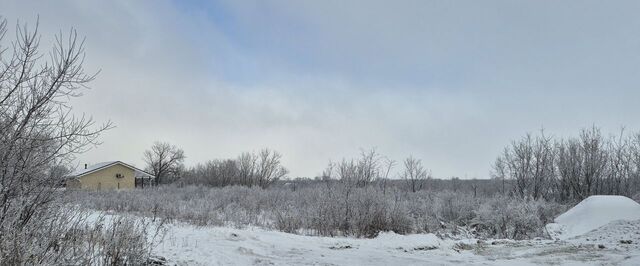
(190, 245)
(601, 230)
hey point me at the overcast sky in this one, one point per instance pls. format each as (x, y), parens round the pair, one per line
(451, 82)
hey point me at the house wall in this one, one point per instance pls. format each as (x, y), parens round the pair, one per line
(106, 178)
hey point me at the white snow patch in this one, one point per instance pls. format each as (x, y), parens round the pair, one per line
(621, 233)
(591, 214)
(191, 245)
(408, 242)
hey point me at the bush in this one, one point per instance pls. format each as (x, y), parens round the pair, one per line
(455, 208)
(331, 210)
(514, 218)
(70, 236)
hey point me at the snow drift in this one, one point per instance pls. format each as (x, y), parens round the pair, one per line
(591, 214)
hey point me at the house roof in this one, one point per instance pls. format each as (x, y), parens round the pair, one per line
(102, 165)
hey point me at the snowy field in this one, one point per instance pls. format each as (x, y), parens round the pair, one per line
(584, 237)
(189, 245)
(601, 230)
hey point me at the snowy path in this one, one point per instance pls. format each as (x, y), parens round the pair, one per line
(189, 245)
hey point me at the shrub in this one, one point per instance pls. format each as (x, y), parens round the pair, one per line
(331, 210)
(70, 236)
(514, 218)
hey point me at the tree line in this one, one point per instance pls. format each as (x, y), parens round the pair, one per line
(166, 162)
(263, 168)
(536, 166)
(572, 168)
(249, 169)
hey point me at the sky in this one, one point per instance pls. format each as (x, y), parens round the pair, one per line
(449, 82)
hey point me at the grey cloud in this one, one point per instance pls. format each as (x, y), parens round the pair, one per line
(449, 82)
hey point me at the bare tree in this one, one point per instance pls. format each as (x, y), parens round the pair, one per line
(573, 168)
(369, 167)
(38, 134)
(543, 171)
(361, 172)
(569, 169)
(594, 160)
(519, 160)
(163, 161)
(327, 173)
(215, 173)
(499, 172)
(635, 161)
(414, 173)
(529, 162)
(247, 165)
(269, 168)
(388, 164)
(347, 172)
(620, 166)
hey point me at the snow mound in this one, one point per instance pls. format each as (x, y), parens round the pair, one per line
(591, 214)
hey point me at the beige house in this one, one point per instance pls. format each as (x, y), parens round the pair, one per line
(109, 175)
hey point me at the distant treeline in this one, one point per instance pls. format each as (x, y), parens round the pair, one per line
(477, 187)
(248, 169)
(536, 166)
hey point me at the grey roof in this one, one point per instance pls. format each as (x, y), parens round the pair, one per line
(98, 166)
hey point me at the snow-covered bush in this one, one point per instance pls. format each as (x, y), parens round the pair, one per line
(421, 210)
(331, 209)
(514, 218)
(455, 208)
(120, 240)
(372, 213)
(71, 236)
